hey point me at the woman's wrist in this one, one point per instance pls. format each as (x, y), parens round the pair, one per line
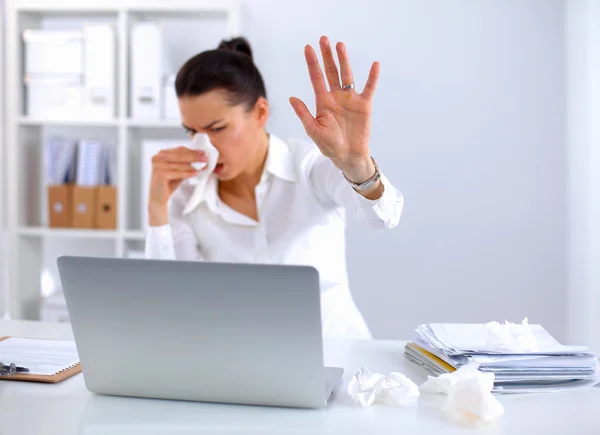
(360, 170)
(158, 215)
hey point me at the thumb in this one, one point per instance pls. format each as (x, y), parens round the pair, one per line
(304, 114)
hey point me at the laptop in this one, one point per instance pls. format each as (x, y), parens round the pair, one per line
(199, 331)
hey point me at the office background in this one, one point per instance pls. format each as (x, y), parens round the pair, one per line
(482, 118)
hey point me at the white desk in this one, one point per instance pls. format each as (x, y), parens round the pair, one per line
(68, 408)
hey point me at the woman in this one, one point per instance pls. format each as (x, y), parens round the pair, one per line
(271, 201)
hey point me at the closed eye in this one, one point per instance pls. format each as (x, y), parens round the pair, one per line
(217, 129)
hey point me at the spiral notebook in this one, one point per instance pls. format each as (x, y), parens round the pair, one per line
(47, 360)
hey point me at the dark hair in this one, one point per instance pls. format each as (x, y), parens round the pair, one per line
(229, 67)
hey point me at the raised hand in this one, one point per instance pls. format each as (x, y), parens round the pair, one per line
(342, 123)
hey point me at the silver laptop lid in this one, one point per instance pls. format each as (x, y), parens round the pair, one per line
(233, 333)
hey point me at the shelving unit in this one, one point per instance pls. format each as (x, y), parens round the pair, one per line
(189, 26)
(146, 123)
(68, 233)
(23, 120)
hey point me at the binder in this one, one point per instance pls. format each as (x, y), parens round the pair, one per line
(90, 163)
(48, 379)
(146, 70)
(100, 71)
(53, 97)
(60, 199)
(84, 206)
(53, 73)
(106, 208)
(53, 52)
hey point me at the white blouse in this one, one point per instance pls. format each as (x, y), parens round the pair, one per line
(302, 199)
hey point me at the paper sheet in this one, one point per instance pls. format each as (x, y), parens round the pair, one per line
(41, 357)
(474, 337)
(537, 361)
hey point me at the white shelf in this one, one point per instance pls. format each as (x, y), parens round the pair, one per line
(135, 235)
(153, 123)
(69, 122)
(134, 123)
(68, 233)
(135, 6)
(31, 247)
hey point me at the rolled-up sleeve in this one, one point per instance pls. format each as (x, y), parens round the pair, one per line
(175, 241)
(330, 186)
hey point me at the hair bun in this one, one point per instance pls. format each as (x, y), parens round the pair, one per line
(239, 44)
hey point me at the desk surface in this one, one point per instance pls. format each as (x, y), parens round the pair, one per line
(68, 408)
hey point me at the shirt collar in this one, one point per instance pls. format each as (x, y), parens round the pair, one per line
(280, 163)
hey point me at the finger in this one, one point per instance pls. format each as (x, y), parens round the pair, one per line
(304, 114)
(187, 154)
(182, 150)
(181, 154)
(314, 71)
(177, 175)
(369, 89)
(168, 166)
(346, 70)
(331, 70)
(174, 153)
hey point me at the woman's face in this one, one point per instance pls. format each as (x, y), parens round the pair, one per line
(236, 132)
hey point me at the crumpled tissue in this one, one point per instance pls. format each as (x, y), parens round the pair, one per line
(511, 337)
(201, 142)
(367, 387)
(443, 383)
(470, 400)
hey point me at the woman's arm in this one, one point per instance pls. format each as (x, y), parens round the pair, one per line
(341, 130)
(175, 240)
(170, 235)
(378, 207)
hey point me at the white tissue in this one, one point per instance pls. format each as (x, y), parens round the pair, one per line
(198, 165)
(470, 399)
(202, 142)
(443, 383)
(367, 387)
(511, 337)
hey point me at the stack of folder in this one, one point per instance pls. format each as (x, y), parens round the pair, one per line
(444, 347)
(81, 178)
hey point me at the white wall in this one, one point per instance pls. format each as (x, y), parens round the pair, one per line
(3, 238)
(583, 81)
(469, 122)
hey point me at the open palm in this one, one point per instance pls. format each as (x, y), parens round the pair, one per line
(342, 123)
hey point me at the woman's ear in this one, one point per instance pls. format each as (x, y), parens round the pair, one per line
(261, 111)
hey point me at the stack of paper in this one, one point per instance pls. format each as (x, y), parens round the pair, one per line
(41, 357)
(542, 365)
